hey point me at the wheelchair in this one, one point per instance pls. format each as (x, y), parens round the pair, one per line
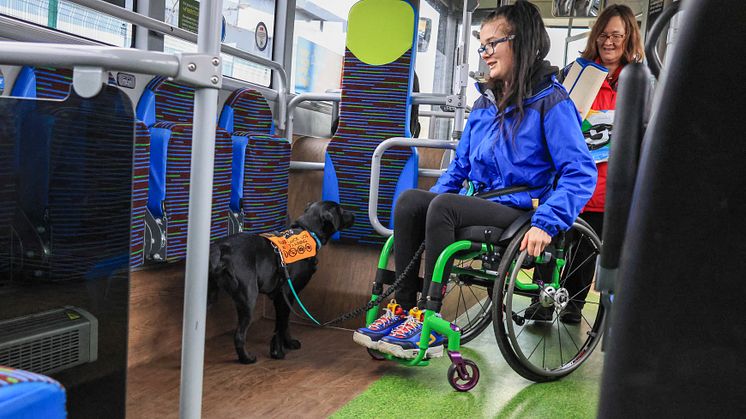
(489, 280)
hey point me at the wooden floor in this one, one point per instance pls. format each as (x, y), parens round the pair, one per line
(313, 382)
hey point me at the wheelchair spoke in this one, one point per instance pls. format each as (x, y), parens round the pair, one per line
(585, 301)
(544, 355)
(458, 301)
(559, 339)
(591, 256)
(543, 339)
(586, 320)
(466, 307)
(570, 335)
(479, 301)
(587, 287)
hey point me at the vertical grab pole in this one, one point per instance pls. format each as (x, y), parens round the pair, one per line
(463, 70)
(141, 33)
(200, 208)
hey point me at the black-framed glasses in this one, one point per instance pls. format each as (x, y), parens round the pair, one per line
(615, 37)
(490, 47)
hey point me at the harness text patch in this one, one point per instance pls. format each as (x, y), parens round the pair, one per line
(293, 246)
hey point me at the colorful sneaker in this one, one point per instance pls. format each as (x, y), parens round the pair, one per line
(393, 316)
(403, 341)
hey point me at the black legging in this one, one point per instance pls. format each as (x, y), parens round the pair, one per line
(421, 215)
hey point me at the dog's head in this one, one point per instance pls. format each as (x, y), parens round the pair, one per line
(324, 218)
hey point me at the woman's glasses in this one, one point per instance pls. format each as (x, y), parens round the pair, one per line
(489, 48)
(615, 37)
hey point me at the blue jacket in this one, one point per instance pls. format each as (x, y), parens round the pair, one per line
(547, 146)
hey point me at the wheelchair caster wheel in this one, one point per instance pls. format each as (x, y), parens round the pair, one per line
(376, 355)
(463, 377)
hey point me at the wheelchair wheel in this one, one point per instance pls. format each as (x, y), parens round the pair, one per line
(468, 304)
(551, 348)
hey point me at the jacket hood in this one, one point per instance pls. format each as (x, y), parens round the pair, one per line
(541, 77)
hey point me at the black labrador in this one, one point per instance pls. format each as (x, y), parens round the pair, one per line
(245, 265)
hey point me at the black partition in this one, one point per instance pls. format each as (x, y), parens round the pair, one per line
(678, 333)
(65, 203)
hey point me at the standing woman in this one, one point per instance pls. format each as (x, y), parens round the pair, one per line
(614, 42)
(522, 131)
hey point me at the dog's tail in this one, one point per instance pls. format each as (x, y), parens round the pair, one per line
(215, 271)
(220, 273)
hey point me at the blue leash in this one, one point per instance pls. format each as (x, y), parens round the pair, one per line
(295, 294)
(290, 282)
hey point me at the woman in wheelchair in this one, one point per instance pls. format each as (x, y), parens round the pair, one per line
(523, 131)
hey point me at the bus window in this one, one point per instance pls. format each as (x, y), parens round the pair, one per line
(249, 26)
(72, 18)
(319, 44)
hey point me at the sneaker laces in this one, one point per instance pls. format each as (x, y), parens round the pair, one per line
(387, 318)
(413, 323)
(391, 313)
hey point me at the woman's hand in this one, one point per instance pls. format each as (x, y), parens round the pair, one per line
(535, 240)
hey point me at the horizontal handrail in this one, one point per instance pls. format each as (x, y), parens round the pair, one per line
(305, 97)
(375, 172)
(19, 30)
(438, 114)
(429, 99)
(312, 165)
(166, 29)
(306, 165)
(109, 58)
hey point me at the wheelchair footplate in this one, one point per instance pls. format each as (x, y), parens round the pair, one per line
(463, 374)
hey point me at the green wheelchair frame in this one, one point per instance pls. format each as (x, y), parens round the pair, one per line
(463, 374)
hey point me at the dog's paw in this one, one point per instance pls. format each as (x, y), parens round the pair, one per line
(247, 358)
(291, 343)
(275, 348)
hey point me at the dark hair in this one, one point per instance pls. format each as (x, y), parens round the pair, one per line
(633, 48)
(529, 47)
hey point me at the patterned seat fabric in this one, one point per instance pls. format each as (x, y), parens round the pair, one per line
(261, 163)
(25, 394)
(166, 107)
(72, 162)
(376, 85)
(140, 170)
(43, 83)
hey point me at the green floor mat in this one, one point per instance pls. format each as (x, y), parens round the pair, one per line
(424, 392)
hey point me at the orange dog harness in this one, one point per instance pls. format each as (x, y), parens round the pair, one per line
(293, 245)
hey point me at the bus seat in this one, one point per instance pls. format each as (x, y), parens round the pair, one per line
(43, 83)
(39, 83)
(166, 108)
(55, 83)
(247, 110)
(261, 163)
(263, 179)
(25, 394)
(140, 171)
(375, 104)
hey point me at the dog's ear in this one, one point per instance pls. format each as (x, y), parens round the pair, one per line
(330, 221)
(348, 218)
(308, 205)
